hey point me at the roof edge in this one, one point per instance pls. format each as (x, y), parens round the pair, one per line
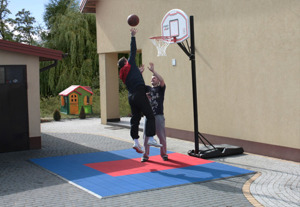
(88, 6)
(45, 54)
(73, 88)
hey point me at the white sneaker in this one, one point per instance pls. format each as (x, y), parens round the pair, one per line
(138, 148)
(152, 142)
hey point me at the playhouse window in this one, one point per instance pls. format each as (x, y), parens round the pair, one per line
(86, 100)
(74, 98)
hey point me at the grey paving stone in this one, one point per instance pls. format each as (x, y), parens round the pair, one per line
(26, 184)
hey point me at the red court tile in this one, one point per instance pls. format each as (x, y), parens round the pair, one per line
(155, 163)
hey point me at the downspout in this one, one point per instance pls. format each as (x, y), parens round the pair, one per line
(49, 66)
(53, 64)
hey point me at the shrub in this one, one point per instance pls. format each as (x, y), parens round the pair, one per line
(82, 113)
(56, 115)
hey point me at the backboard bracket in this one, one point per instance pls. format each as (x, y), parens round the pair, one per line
(186, 49)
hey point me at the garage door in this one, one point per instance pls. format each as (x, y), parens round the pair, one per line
(14, 133)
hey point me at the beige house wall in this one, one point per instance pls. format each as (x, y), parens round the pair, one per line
(33, 84)
(109, 87)
(247, 64)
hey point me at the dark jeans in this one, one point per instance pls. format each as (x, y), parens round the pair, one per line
(139, 104)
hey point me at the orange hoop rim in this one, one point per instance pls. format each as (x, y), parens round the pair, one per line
(164, 38)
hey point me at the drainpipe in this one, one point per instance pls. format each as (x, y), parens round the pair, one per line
(49, 66)
(53, 64)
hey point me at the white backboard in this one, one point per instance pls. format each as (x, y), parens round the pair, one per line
(176, 24)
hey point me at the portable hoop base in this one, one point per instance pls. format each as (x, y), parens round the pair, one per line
(220, 150)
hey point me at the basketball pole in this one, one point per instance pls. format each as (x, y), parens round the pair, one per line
(211, 151)
(191, 55)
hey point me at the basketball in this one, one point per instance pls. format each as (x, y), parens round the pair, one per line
(133, 20)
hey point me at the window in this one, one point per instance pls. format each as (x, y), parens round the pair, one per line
(74, 98)
(2, 75)
(12, 74)
(66, 100)
(86, 100)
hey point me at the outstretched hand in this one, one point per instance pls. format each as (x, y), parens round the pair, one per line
(133, 31)
(151, 68)
(142, 68)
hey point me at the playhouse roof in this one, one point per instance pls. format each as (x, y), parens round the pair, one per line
(73, 88)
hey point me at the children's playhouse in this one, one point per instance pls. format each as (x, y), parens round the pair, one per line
(74, 97)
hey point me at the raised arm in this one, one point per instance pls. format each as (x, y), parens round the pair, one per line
(132, 54)
(159, 77)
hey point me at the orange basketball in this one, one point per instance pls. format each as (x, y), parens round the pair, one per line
(133, 20)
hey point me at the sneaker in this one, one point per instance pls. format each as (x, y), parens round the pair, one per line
(144, 159)
(138, 148)
(165, 158)
(154, 143)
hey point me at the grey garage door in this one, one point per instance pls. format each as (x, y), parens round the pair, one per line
(14, 133)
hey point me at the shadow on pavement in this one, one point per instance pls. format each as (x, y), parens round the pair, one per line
(18, 174)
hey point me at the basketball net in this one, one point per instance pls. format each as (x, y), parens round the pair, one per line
(161, 43)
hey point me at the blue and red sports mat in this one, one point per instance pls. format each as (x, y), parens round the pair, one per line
(118, 172)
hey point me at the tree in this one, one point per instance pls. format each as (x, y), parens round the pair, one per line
(57, 8)
(74, 33)
(24, 27)
(5, 32)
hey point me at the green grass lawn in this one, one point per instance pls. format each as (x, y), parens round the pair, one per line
(49, 104)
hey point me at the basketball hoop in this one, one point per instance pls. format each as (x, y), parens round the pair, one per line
(161, 43)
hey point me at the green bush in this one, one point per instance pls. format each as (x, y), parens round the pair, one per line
(56, 115)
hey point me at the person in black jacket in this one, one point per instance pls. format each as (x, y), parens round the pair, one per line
(137, 98)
